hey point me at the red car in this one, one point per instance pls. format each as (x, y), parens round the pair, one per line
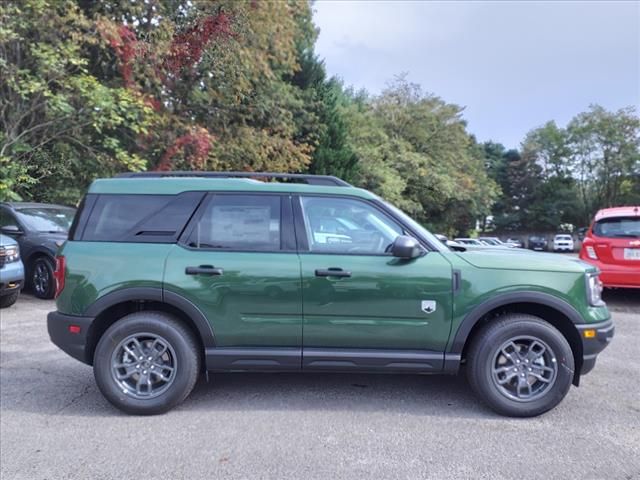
(612, 244)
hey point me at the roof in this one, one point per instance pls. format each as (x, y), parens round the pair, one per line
(19, 205)
(618, 212)
(174, 185)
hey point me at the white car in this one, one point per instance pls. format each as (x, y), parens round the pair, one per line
(496, 242)
(563, 243)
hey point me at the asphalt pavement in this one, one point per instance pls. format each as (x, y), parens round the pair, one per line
(55, 424)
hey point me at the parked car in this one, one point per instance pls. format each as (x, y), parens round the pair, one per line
(11, 271)
(537, 242)
(164, 277)
(515, 242)
(563, 243)
(612, 244)
(479, 243)
(40, 229)
(495, 241)
(471, 241)
(443, 238)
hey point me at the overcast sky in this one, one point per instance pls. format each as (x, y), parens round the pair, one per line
(513, 65)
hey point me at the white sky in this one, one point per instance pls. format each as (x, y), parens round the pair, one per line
(513, 65)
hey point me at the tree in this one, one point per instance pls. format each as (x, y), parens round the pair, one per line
(413, 149)
(92, 88)
(58, 120)
(606, 157)
(555, 199)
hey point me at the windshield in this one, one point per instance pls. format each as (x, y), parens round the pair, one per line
(620, 227)
(47, 219)
(416, 226)
(490, 241)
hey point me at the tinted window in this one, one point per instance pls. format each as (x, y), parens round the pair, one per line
(46, 219)
(620, 227)
(239, 222)
(341, 225)
(140, 218)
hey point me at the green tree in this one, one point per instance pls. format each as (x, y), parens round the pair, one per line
(555, 200)
(58, 121)
(605, 148)
(413, 149)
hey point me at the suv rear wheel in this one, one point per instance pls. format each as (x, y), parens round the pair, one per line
(520, 365)
(146, 363)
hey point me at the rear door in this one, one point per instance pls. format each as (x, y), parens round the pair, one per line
(364, 308)
(237, 263)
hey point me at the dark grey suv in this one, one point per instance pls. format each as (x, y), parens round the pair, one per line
(39, 229)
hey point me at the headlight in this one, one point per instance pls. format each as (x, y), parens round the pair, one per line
(594, 290)
(10, 253)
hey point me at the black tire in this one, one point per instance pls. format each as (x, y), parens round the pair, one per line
(41, 279)
(182, 345)
(8, 300)
(485, 371)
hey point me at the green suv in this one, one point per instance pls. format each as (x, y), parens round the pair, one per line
(165, 276)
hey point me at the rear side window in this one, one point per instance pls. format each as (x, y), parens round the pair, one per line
(239, 222)
(140, 218)
(618, 227)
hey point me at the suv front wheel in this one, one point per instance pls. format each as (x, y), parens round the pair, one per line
(146, 363)
(42, 279)
(520, 365)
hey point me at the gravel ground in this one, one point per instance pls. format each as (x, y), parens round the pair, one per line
(54, 423)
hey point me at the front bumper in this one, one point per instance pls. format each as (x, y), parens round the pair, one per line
(11, 277)
(592, 346)
(73, 344)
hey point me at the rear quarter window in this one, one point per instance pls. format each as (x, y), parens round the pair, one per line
(140, 218)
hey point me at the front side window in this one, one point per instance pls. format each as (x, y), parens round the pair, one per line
(342, 225)
(239, 222)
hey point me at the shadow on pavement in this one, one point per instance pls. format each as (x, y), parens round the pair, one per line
(622, 299)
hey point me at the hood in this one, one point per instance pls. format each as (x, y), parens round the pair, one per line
(5, 241)
(49, 236)
(518, 259)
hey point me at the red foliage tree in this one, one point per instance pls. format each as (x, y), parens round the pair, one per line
(187, 47)
(195, 145)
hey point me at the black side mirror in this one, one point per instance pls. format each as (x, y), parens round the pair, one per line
(11, 230)
(406, 247)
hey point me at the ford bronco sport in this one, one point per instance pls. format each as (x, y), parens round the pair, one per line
(165, 276)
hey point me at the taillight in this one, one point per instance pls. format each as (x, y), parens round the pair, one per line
(591, 252)
(58, 274)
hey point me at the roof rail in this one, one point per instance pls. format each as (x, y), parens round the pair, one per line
(327, 180)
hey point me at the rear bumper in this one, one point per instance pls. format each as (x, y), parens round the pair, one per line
(73, 344)
(11, 277)
(591, 347)
(621, 276)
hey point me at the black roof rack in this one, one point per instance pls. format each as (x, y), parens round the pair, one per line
(327, 180)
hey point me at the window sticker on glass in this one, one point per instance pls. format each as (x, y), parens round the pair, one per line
(244, 224)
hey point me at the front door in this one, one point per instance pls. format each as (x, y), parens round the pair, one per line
(364, 308)
(237, 263)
